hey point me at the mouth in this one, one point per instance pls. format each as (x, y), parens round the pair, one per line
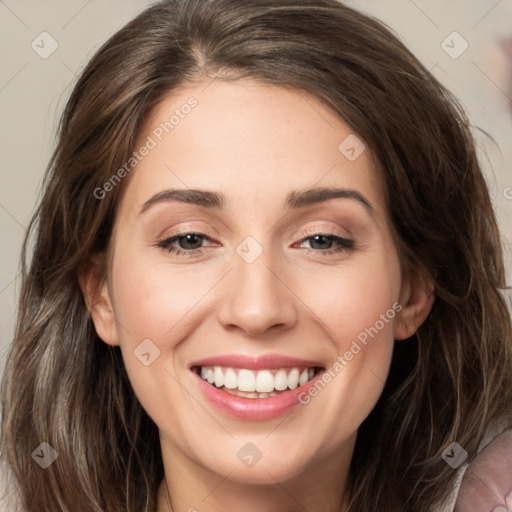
(247, 383)
(255, 388)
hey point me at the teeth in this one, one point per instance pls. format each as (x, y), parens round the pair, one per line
(264, 382)
(304, 377)
(230, 379)
(293, 379)
(250, 395)
(218, 377)
(281, 380)
(256, 384)
(246, 381)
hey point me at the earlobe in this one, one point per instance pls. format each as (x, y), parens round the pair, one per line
(94, 286)
(417, 298)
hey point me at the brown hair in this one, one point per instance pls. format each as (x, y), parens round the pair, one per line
(452, 381)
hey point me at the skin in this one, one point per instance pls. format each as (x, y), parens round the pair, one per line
(254, 143)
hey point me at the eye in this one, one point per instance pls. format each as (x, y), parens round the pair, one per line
(184, 243)
(323, 243)
(190, 244)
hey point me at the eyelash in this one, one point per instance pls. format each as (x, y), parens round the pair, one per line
(345, 244)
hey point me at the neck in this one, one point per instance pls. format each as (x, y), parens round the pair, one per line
(323, 486)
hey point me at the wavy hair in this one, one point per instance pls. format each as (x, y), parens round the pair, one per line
(451, 381)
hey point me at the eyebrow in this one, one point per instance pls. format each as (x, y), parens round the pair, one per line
(295, 199)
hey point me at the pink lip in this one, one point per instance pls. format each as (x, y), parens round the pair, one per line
(267, 361)
(253, 409)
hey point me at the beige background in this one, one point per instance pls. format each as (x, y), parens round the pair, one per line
(33, 91)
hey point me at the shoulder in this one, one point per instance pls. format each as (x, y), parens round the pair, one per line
(487, 482)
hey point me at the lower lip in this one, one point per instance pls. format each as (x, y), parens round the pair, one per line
(254, 408)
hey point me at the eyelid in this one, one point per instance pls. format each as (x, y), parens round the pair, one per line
(186, 227)
(312, 231)
(344, 244)
(327, 227)
(305, 234)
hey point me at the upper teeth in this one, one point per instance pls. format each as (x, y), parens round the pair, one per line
(262, 381)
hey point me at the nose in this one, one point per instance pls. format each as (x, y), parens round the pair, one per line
(257, 299)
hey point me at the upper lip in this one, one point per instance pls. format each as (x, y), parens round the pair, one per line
(267, 361)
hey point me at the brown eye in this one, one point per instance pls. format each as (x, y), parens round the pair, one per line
(190, 241)
(186, 243)
(323, 243)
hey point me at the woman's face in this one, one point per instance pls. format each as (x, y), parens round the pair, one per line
(289, 273)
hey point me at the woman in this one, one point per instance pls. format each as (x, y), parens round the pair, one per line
(266, 275)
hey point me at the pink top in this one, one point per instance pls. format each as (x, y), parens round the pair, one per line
(485, 485)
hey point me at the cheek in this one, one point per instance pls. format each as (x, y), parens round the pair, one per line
(154, 300)
(353, 298)
(358, 305)
(153, 308)
(156, 307)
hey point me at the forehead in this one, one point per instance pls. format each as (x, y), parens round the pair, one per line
(251, 140)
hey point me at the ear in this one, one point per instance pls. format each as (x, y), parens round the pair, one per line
(417, 297)
(94, 286)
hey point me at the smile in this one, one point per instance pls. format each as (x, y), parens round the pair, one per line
(255, 388)
(256, 384)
